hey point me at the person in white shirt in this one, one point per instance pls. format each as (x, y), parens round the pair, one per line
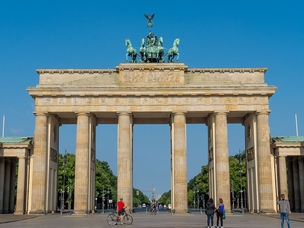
(284, 210)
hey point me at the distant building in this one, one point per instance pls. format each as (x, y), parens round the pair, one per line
(288, 152)
(14, 152)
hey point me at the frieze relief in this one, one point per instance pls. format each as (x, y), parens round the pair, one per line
(150, 100)
(210, 155)
(157, 76)
(53, 155)
(250, 154)
(214, 100)
(61, 101)
(241, 100)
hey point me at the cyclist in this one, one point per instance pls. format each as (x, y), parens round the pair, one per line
(153, 208)
(121, 210)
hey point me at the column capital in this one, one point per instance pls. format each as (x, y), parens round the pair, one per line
(124, 113)
(263, 112)
(82, 113)
(41, 113)
(220, 113)
(183, 113)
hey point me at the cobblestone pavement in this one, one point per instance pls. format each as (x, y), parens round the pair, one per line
(146, 220)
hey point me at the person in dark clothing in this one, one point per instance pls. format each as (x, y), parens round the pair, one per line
(210, 212)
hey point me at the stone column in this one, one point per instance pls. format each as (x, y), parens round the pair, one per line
(180, 163)
(125, 159)
(20, 207)
(38, 200)
(265, 172)
(301, 181)
(296, 185)
(283, 189)
(290, 183)
(222, 159)
(7, 186)
(12, 187)
(82, 164)
(2, 176)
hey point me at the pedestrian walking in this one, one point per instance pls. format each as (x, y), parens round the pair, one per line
(210, 210)
(284, 210)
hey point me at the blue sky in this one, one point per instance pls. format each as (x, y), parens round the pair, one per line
(91, 34)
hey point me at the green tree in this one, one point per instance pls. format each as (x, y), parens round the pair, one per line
(66, 176)
(140, 198)
(237, 168)
(105, 181)
(165, 198)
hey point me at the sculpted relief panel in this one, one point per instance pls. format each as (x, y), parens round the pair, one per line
(151, 78)
(142, 76)
(151, 100)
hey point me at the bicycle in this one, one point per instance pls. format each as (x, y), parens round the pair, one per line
(153, 211)
(114, 218)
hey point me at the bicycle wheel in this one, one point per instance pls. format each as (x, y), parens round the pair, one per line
(112, 219)
(128, 219)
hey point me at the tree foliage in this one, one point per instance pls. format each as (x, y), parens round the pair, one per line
(105, 181)
(198, 186)
(140, 198)
(165, 198)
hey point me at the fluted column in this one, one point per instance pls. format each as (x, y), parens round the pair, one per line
(2, 176)
(125, 159)
(180, 163)
(301, 181)
(12, 187)
(82, 164)
(290, 183)
(7, 186)
(283, 189)
(265, 171)
(296, 185)
(222, 158)
(39, 165)
(20, 207)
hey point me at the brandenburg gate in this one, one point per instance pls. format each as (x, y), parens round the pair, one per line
(151, 93)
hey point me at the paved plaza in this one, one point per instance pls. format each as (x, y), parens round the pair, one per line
(147, 220)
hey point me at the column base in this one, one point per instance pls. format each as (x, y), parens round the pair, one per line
(81, 212)
(19, 213)
(38, 212)
(268, 211)
(179, 211)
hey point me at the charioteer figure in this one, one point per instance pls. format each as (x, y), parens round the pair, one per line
(151, 49)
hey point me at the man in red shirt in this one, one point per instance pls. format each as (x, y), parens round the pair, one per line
(121, 209)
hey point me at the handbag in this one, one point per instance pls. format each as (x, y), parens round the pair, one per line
(224, 214)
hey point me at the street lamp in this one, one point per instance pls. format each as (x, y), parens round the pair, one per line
(241, 191)
(103, 198)
(197, 191)
(232, 195)
(203, 199)
(194, 198)
(108, 192)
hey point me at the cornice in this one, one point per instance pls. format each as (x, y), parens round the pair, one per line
(76, 71)
(151, 67)
(225, 70)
